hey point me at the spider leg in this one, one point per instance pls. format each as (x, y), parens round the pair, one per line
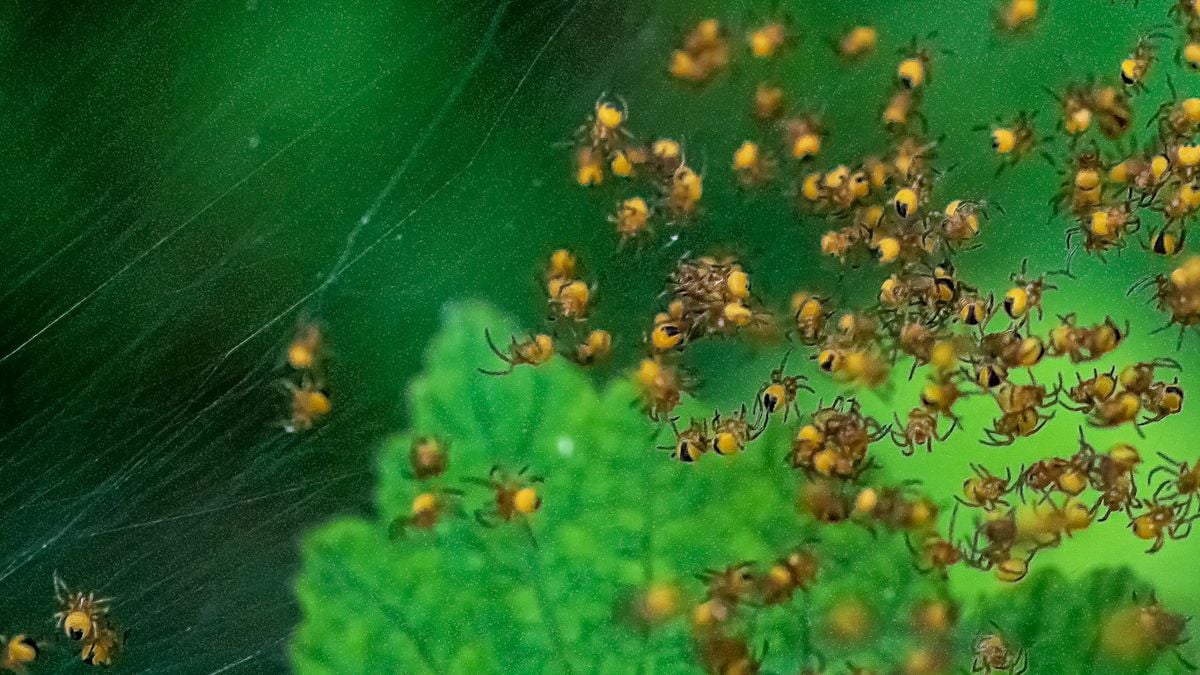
(1162, 486)
(485, 519)
(1182, 530)
(953, 425)
(1158, 544)
(1184, 662)
(492, 345)
(1023, 660)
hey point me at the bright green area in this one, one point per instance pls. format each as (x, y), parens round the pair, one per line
(551, 595)
(183, 180)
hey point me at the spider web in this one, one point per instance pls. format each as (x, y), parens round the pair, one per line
(189, 186)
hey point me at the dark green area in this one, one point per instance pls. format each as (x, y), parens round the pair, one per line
(185, 181)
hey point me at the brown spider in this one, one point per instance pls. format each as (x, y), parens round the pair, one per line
(921, 430)
(515, 496)
(993, 654)
(1160, 522)
(986, 490)
(535, 351)
(1182, 482)
(779, 393)
(1010, 426)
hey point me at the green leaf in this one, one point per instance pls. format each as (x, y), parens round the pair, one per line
(488, 420)
(1062, 622)
(617, 515)
(348, 591)
(546, 595)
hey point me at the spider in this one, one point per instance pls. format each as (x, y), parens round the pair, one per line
(79, 614)
(515, 496)
(1159, 522)
(986, 490)
(780, 391)
(921, 430)
(1183, 481)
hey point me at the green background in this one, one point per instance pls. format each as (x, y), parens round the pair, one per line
(185, 181)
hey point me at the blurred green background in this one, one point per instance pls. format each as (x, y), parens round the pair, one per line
(186, 181)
